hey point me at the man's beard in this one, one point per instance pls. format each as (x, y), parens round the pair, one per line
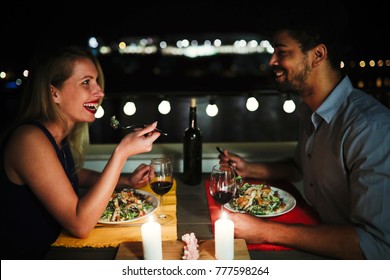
(296, 85)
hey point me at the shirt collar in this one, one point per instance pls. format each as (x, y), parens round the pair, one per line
(331, 104)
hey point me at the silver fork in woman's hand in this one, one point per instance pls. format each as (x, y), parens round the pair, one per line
(115, 124)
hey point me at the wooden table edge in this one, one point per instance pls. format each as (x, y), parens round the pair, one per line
(173, 250)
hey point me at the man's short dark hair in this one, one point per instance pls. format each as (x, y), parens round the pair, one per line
(311, 25)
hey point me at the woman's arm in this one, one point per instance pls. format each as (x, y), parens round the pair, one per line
(137, 179)
(31, 159)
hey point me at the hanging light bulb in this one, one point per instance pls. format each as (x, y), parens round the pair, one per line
(164, 107)
(129, 108)
(289, 105)
(252, 104)
(100, 112)
(212, 109)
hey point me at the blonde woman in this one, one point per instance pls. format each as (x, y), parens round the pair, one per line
(41, 158)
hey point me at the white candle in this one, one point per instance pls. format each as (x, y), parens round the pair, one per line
(151, 240)
(224, 238)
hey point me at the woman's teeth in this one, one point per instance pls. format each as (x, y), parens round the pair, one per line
(91, 106)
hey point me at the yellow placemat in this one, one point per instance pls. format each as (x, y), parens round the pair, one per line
(112, 235)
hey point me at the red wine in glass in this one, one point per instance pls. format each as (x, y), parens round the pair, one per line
(161, 181)
(222, 183)
(223, 197)
(161, 187)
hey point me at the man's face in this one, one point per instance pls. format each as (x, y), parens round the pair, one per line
(290, 65)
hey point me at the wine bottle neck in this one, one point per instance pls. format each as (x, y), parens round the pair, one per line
(193, 117)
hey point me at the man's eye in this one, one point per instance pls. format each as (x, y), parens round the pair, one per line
(280, 53)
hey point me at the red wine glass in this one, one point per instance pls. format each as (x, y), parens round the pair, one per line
(222, 183)
(161, 180)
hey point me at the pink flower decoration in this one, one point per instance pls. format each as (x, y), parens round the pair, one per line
(191, 251)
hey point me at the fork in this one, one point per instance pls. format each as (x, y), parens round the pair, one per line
(115, 124)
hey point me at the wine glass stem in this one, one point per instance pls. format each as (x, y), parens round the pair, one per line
(162, 214)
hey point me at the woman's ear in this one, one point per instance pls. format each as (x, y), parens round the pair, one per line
(54, 94)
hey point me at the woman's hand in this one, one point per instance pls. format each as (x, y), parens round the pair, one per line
(139, 178)
(139, 141)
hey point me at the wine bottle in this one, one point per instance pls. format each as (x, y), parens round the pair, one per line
(192, 149)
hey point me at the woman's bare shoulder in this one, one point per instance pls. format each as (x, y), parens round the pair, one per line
(27, 140)
(27, 151)
(27, 135)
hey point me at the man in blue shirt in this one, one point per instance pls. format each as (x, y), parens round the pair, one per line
(342, 156)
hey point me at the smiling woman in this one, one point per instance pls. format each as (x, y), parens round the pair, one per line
(42, 156)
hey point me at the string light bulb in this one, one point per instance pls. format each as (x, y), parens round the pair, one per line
(212, 109)
(164, 107)
(129, 108)
(100, 112)
(252, 104)
(289, 105)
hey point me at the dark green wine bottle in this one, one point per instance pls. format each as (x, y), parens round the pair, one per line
(192, 149)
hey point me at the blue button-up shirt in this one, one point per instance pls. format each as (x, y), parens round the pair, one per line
(344, 155)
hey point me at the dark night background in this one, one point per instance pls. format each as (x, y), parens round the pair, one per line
(24, 23)
(27, 24)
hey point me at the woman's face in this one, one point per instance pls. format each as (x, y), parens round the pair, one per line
(80, 95)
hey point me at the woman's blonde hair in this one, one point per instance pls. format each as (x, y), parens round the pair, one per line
(54, 67)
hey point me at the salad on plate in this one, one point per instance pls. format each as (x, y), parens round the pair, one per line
(261, 200)
(129, 205)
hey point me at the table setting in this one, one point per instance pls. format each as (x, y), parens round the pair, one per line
(194, 211)
(144, 227)
(146, 234)
(292, 206)
(118, 225)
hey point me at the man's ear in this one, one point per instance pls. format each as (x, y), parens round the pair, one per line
(320, 54)
(54, 94)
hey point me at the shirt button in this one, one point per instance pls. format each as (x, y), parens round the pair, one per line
(311, 185)
(309, 155)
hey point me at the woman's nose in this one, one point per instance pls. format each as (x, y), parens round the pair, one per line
(98, 91)
(101, 93)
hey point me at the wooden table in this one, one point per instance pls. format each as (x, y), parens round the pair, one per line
(192, 216)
